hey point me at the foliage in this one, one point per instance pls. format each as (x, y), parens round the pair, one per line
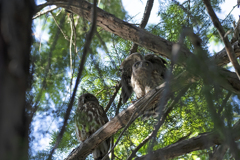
(53, 80)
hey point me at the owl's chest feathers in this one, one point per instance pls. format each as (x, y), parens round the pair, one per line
(142, 82)
(89, 118)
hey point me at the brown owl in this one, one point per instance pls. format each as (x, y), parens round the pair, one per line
(90, 116)
(141, 74)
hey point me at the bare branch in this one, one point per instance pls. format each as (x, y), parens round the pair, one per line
(143, 23)
(217, 24)
(219, 152)
(202, 141)
(117, 87)
(70, 51)
(44, 12)
(65, 36)
(119, 105)
(236, 33)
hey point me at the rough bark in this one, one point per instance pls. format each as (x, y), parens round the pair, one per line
(15, 42)
(122, 119)
(203, 141)
(130, 32)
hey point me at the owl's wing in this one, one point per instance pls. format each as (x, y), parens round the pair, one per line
(158, 63)
(104, 115)
(126, 69)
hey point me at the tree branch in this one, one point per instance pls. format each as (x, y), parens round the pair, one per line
(217, 24)
(219, 152)
(202, 141)
(117, 87)
(143, 23)
(44, 12)
(123, 118)
(130, 32)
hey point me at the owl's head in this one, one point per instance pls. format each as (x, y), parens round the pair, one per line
(130, 60)
(143, 65)
(87, 97)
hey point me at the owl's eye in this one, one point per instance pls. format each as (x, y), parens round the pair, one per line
(136, 64)
(147, 64)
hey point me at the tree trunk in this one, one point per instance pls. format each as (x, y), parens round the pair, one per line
(15, 43)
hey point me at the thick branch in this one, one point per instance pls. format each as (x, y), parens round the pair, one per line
(221, 31)
(203, 141)
(122, 119)
(123, 29)
(130, 32)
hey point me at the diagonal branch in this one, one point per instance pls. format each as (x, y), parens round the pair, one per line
(117, 87)
(44, 12)
(217, 24)
(143, 23)
(202, 141)
(132, 33)
(123, 118)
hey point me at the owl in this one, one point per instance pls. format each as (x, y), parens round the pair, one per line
(141, 74)
(89, 117)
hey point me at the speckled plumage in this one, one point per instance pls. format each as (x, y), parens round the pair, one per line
(90, 116)
(141, 74)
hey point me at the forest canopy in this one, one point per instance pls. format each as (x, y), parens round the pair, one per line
(198, 103)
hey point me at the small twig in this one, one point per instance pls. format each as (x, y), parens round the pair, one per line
(65, 36)
(70, 52)
(75, 47)
(224, 102)
(219, 152)
(117, 87)
(228, 47)
(85, 50)
(106, 50)
(34, 109)
(186, 11)
(236, 32)
(119, 105)
(44, 12)
(143, 23)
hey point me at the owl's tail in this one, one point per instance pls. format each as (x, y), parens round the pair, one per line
(152, 112)
(102, 150)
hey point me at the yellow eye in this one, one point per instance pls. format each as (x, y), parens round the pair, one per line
(146, 64)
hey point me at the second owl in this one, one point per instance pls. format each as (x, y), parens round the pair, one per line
(141, 74)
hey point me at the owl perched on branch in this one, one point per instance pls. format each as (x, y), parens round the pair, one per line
(141, 74)
(90, 116)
